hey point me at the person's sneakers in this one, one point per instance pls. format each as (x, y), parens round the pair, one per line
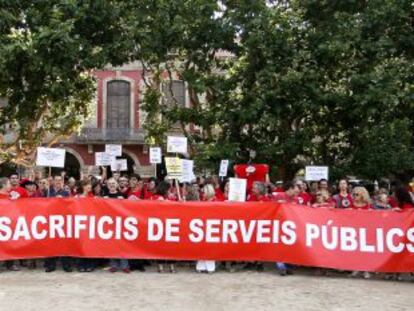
(47, 270)
(367, 275)
(354, 274)
(82, 270)
(289, 272)
(282, 272)
(126, 270)
(67, 269)
(113, 270)
(89, 270)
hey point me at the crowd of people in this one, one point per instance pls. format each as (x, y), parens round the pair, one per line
(319, 194)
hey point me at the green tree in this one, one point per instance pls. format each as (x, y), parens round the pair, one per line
(48, 50)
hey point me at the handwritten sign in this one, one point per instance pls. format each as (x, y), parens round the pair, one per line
(174, 167)
(52, 157)
(237, 189)
(176, 144)
(118, 165)
(155, 155)
(316, 173)
(188, 171)
(103, 159)
(224, 166)
(115, 150)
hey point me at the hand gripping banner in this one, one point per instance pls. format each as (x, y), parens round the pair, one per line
(109, 228)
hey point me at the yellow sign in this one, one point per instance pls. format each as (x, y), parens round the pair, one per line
(174, 167)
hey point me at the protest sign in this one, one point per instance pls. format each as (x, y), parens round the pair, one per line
(155, 155)
(316, 173)
(51, 157)
(174, 167)
(118, 165)
(237, 189)
(103, 159)
(176, 144)
(115, 150)
(224, 166)
(187, 171)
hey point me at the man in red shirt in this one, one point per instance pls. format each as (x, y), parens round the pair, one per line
(136, 185)
(16, 192)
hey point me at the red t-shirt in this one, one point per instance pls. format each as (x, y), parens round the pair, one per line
(258, 174)
(137, 193)
(304, 198)
(17, 193)
(148, 194)
(282, 197)
(392, 202)
(4, 196)
(219, 194)
(343, 202)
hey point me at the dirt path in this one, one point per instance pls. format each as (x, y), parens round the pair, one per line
(186, 290)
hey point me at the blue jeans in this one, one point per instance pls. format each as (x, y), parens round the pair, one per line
(119, 263)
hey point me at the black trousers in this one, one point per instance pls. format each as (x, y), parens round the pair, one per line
(51, 262)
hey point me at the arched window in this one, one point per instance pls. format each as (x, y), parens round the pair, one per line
(119, 101)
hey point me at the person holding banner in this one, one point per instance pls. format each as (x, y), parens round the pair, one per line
(150, 188)
(16, 191)
(58, 192)
(208, 266)
(136, 186)
(114, 193)
(289, 195)
(343, 199)
(404, 199)
(258, 193)
(161, 194)
(361, 199)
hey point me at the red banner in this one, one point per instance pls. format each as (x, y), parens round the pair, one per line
(268, 231)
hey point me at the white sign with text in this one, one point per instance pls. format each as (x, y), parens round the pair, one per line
(52, 157)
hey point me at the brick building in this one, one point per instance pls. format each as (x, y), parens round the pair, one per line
(117, 118)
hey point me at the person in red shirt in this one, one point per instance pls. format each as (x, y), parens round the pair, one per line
(323, 200)
(404, 199)
(343, 199)
(289, 194)
(4, 188)
(303, 198)
(136, 186)
(361, 199)
(16, 192)
(258, 193)
(150, 188)
(123, 183)
(209, 193)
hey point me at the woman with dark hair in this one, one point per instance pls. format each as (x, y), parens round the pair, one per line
(405, 201)
(161, 194)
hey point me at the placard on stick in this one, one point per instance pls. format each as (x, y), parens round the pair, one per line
(51, 157)
(155, 155)
(316, 173)
(174, 167)
(237, 189)
(176, 144)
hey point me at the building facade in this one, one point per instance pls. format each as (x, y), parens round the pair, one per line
(117, 118)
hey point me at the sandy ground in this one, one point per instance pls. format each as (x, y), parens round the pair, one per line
(187, 290)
